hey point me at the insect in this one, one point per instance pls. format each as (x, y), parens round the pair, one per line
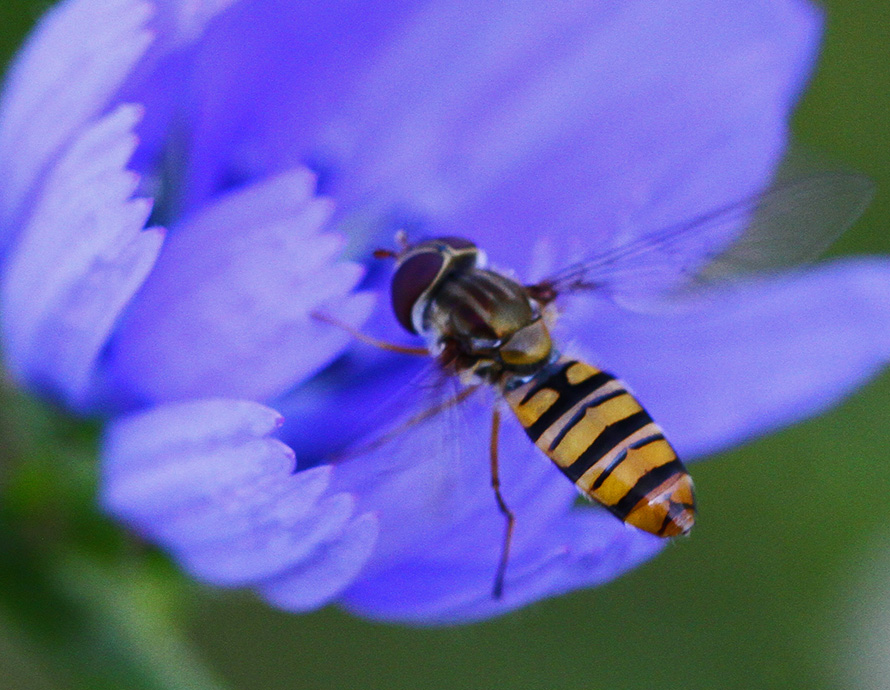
(488, 329)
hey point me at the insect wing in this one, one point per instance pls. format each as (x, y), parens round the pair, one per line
(790, 223)
(417, 452)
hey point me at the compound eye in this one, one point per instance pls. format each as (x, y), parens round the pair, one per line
(457, 243)
(414, 277)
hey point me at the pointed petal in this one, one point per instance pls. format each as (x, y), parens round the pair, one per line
(335, 565)
(59, 82)
(227, 310)
(145, 475)
(205, 481)
(80, 259)
(750, 359)
(273, 542)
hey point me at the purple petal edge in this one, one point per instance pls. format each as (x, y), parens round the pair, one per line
(81, 258)
(205, 480)
(58, 84)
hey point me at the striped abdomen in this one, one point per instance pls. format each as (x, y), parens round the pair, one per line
(607, 444)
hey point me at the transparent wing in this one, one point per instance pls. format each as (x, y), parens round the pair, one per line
(432, 401)
(792, 222)
(419, 444)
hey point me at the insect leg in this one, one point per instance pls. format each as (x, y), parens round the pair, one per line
(368, 340)
(498, 588)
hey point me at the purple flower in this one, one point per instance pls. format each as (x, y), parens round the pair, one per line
(186, 183)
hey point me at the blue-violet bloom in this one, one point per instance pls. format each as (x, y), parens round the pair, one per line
(185, 182)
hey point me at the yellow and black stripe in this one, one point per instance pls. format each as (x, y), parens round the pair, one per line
(595, 431)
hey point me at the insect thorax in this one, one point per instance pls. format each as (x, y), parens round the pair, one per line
(489, 323)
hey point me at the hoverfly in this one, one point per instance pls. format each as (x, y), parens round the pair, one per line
(488, 329)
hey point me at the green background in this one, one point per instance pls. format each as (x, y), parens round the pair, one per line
(782, 585)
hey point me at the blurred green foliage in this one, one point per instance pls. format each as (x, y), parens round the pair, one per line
(759, 597)
(102, 611)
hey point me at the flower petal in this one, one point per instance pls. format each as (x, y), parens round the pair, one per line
(227, 310)
(59, 82)
(183, 21)
(530, 129)
(77, 264)
(526, 127)
(272, 543)
(348, 397)
(583, 548)
(143, 479)
(335, 565)
(265, 56)
(205, 480)
(749, 359)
